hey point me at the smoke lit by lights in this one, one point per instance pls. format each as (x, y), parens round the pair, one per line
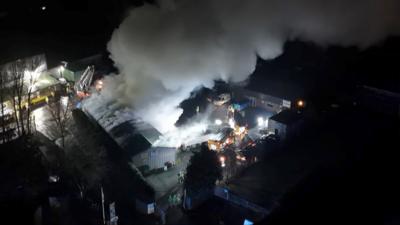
(153, 85)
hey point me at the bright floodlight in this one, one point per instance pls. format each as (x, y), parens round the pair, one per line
(260, 121)
(213, 147)
(242, 129)
(300, 103)
(218, 122)
(231, 123)
(43, 8)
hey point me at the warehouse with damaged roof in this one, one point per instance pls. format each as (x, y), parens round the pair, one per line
(137, 138)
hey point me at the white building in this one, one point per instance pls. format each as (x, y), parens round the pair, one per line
(257, 99)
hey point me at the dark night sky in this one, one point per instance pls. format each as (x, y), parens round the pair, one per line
(66, 30)
(72, 29)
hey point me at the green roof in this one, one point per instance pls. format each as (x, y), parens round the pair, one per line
(45, 80)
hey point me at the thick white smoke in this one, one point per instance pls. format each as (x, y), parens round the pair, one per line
(164, 52)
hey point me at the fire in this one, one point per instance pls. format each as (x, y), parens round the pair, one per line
(99, 85)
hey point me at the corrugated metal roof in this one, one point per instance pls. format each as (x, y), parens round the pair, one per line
(135, 136)
(245, 92)
(287, 117)
(147, 131)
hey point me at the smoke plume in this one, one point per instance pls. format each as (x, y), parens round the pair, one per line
(164, 52)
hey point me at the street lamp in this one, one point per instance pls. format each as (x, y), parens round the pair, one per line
(300, 103)
(61, 70)
(62, 67)
(260, 121)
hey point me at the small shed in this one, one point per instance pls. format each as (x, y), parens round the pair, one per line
(285, 124)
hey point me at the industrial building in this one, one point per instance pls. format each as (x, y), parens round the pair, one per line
(159, 156)
(137, 138)
(243, 98)
(25, 84)
(285, 124)
(378, 100)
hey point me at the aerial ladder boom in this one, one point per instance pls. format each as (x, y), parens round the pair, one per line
(85, 80)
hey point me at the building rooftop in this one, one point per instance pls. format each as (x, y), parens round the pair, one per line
(239, 93)
(135, 136)
(287, 117)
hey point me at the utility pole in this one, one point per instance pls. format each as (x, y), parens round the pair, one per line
(102, 205)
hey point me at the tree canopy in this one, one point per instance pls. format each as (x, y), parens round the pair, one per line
(203, 171)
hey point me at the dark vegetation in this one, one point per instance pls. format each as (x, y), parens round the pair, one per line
(23, 181)
(203, 171)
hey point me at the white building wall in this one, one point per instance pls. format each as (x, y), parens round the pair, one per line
(158, 156)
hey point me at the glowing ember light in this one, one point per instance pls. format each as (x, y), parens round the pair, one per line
(99, 85)
(300, 103)
(218, 122)
(222, 160)
(260, 121)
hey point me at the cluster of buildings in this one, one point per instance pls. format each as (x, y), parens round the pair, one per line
(238, 117)
(243, 116)
(26, 84)
(30, 83)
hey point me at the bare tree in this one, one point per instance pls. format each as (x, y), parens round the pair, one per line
(24, 77)
(86, 164)
(2, 100)
(60, 115)
(16, 73)
(5, 99)
(30, 79)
